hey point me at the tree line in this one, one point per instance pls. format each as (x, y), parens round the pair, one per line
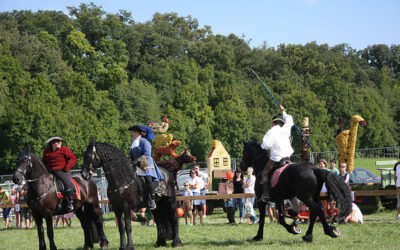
(92, 73)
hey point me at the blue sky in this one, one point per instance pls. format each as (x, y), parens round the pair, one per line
(357, 22)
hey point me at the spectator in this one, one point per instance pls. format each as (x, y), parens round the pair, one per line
(332, 167)
(25, 212)
(397, 182)
(203, 189)
(304, 215)
(238, 189)
(58, 217)
(354, 217)
(187, 205)
(322, 164)
(229, 209)
(17, 206)
(143, 216)
(343, 173)
(68, 218)
(272, 213)
(248, 187)
(5, 200)
(333, 212)
(195, 183)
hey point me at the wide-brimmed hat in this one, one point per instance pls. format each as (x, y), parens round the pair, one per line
(54, 139)
(136, 128)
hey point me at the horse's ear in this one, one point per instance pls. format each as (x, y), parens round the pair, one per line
(92, 141)
(29, 149)
(245, 144)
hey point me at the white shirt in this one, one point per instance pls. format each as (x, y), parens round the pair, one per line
(249, 189)
(277, 139)
(204, 178)
(193, 182)
(397, 170)
(357, 213)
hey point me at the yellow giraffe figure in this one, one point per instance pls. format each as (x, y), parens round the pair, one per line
(346, 141)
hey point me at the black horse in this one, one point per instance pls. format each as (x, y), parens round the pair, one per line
(44, 202)
(301, 180)
(126, 192)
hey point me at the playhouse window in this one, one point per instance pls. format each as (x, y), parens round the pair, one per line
(216, 162)
(225, 161)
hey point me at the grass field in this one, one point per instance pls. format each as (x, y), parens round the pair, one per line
(379, 231)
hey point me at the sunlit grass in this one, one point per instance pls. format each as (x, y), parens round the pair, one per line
(380, 231)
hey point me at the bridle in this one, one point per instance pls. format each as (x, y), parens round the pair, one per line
(24, 173)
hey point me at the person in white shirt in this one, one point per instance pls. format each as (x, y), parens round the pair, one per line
(195, 185)
(277, 141)
(397, 182)
(248, 188)
(203, 188)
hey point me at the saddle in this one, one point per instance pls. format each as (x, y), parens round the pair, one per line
(276, 173)
(60, 188)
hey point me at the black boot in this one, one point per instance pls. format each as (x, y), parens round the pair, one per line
(150, 190)
(266, 196)
(69, 199)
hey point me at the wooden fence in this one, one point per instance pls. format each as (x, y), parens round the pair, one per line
(234, 196)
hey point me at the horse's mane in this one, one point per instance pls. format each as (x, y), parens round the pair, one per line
(120, 164)
(22, 155)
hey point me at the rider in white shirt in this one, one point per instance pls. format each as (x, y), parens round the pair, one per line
(277, 140)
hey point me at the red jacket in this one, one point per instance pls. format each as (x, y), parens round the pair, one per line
(62, 158)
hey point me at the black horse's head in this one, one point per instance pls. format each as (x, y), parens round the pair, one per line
(91, 160)
(253, 155)
(23, 166)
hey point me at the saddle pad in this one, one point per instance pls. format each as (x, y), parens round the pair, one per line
(77, 193)
(277, 174)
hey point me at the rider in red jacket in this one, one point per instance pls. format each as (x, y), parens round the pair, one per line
(59, 160)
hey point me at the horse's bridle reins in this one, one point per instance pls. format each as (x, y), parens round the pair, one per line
(95, 155)
(28, 164)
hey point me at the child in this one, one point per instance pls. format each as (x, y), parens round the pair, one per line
(187, 205)
(332, 212)
(304, 215)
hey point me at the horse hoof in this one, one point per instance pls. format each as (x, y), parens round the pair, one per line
(307, 238)
(257, 238)
(177, 243)
(160, 244)
(295, 229)
(333, 232)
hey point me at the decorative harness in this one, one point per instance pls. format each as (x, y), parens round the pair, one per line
(29, 164)
(95, 155)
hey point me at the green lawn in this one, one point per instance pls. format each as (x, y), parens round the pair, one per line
(369, 163)
(380, 231)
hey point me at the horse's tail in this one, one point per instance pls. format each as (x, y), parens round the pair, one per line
(90, 216)
(337, 189)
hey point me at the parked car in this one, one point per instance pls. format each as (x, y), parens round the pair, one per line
(363, 176)
(183, 175)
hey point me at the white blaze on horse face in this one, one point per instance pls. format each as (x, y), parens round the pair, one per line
(94, 151)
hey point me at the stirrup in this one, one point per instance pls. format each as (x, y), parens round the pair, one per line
(265, 198)
(152, 204)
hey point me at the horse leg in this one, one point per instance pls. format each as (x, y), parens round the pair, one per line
(261, 222)
(173, 217)
(50, 232)
(40, 231)
(121, 225)
(315, 210)
(161, 222)
(128, 229)
(85, 224)
(328, 230)
(99, 223)
(282, 221)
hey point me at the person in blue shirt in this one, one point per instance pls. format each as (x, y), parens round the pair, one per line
(140, 153)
